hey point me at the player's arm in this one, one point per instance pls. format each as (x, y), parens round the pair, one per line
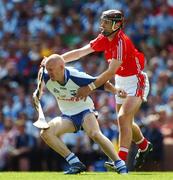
(109, 87)
(77, 53)
(108, 74)
(101, 79)
(94, 45)
(73, 54)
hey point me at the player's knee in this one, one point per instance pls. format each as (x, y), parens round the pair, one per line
(125, 119)
(95, 135)
(121, 118)
(42, 133)
(45, 133)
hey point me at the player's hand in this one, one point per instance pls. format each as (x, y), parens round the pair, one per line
(121, 93)
(83, 92)
(35, 100)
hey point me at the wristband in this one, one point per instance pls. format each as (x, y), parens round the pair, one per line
(92, 86)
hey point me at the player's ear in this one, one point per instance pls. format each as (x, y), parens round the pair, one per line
(61, 66)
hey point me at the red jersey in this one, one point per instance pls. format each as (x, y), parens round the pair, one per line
(122, 49)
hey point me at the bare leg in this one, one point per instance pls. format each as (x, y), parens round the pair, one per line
(91, 127)
(52, 135)
(137, 134)
(126, 114)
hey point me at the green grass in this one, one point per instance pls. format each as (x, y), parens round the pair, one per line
(86, 176)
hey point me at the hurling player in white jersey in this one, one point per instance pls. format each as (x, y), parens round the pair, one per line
(63, 83)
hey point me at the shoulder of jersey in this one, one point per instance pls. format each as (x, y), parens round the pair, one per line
(75, 72)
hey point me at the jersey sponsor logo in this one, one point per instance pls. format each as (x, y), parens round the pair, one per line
(56, 90)
(63, 88)
(74, 99)
(73, 92)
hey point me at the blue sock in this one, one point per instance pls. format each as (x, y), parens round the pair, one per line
(121, 166)
(72, 158)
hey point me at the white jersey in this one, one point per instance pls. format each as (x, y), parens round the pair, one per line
(65, 94)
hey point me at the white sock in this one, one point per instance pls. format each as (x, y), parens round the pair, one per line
(121, 166)
(72, 158)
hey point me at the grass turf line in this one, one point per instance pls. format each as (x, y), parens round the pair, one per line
(86, 176)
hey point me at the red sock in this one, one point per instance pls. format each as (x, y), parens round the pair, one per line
(123, 152)
(142, 144)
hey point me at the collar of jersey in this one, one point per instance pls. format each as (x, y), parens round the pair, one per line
(66, 77)
(116, 37)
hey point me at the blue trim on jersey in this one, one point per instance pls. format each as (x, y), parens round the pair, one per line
(66, 75)
(84, 79)
(80, 81)
(45, 77)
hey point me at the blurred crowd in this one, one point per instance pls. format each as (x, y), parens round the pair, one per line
(32, 29)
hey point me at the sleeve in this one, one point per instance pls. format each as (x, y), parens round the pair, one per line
(83, 79)
(99, 43)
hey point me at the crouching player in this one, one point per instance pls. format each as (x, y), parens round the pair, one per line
(63, 82)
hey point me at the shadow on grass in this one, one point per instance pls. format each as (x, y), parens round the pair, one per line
(143, 174)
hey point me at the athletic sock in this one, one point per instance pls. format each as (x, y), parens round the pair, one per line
(121, 166)
(123, 152)
(72, 158)
(142, 144)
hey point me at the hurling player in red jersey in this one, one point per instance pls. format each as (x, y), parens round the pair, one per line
(129, 76)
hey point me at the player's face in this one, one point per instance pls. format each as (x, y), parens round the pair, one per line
(105, 26)
(53, 71)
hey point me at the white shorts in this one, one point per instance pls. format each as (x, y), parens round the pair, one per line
(136, 85)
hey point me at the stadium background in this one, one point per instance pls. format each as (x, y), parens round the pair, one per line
(32, 29)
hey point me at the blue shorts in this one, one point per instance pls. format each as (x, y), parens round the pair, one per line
(77, 119)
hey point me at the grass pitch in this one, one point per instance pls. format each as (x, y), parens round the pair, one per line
(86, 176)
